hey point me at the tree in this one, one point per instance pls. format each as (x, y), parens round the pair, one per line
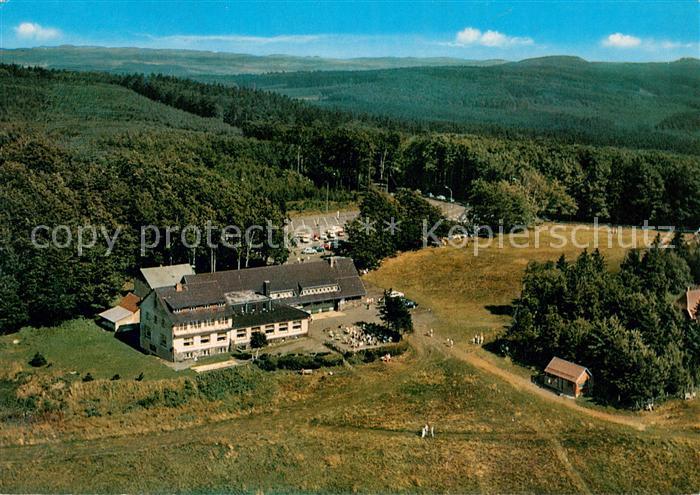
(622, 326)
(394, 313)
(258, 340)
(502, 202)
(38, 360)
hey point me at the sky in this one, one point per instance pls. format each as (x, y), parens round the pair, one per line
(594, 30)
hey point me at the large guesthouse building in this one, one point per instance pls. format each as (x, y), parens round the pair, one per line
(211, 313)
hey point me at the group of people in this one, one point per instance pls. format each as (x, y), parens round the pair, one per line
(428, 428)
(449, 342)
(355, 337)
(478, 338)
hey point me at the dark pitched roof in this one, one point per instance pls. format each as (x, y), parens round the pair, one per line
(290, 277)
(566, 370)
(186, 296)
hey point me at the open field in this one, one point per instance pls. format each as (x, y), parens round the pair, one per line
(357, 429)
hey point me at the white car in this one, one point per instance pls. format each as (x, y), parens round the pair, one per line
(308, 250)
(441, 198)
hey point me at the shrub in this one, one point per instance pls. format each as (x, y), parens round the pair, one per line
(37, 361)
(370, 355)
(218, 384)
(149, 401)
(88, 378)
(242, 355)
(257, 340)
(116, 377)
(297, 362)
(92, 411)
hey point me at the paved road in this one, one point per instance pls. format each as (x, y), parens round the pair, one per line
(452, 211)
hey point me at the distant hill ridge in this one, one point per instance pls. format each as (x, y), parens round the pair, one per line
(190, 63)
(633, 105)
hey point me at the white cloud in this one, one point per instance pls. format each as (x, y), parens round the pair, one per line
(33, 31)
(619, 40)
(493, 39)
(235, 38)
(468, 36)
(626, 41)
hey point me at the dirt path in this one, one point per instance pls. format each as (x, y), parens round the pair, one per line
(436, 342)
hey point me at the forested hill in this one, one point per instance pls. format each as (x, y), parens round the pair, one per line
(192, 63)
(650, 105)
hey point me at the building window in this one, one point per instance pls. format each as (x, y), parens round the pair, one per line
(204, 340)
(296, 325)
(163, 341)
(188, 341)
(241, 334)
(269, 329)
(283, 327)
(220, 337)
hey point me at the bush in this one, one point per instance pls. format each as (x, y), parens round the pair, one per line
(218, 384)
(242, 355)
(140, 377)
(37, 361)
(297, 362)
(370, 355)
(116, 377)
(88, 378)
(257, 340)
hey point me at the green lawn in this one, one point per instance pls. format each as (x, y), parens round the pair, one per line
(81, 346)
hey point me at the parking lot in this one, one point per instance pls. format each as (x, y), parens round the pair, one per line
(316, 237)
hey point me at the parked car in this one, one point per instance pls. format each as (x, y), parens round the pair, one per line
(319, 249)
(308, 250)
(410, 304)
(441, 197)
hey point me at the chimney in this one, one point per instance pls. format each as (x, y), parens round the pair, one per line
(178, 287)
(266, 288)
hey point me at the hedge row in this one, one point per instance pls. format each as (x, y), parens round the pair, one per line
(270, 362)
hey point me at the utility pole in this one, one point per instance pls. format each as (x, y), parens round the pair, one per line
(327, 188)
(450, 189)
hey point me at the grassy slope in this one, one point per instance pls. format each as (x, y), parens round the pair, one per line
(81, 346)
(357, 429)
(189, 63)
(82, 111)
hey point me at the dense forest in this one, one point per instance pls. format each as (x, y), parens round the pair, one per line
(623, 326)
(652, 105)
(131, 150)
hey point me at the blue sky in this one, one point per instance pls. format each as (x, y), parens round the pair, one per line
(609, 30)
